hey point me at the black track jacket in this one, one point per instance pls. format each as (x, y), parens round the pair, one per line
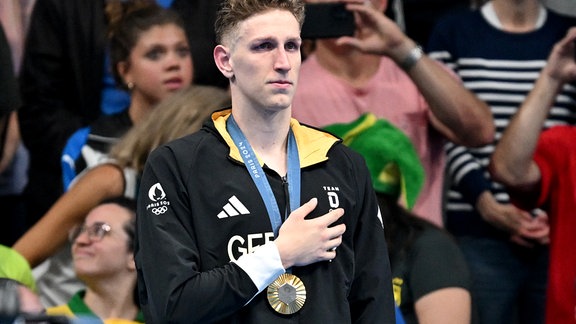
(202, 229)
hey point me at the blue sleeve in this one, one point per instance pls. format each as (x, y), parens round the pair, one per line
(70, 155)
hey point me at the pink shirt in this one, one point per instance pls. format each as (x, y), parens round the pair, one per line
(322, 99)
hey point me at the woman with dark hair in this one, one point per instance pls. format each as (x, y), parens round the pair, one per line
(150, 58)
(66, 83)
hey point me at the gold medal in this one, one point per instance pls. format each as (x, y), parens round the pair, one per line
(287, 294)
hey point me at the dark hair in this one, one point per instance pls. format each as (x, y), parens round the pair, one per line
(130, 226)
(129, 22)
(233, 12)
(401, 228)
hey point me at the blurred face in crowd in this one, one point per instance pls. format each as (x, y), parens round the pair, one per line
(100, 248)
(159, 64)
(263, 59)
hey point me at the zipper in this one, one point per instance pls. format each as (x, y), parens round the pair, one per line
(285, 185)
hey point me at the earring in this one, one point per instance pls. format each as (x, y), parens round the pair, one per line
(130, 85)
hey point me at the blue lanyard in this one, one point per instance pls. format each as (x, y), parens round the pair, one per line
(259, 177)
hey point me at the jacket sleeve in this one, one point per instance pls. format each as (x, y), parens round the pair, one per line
(168, 255)
(371, 298)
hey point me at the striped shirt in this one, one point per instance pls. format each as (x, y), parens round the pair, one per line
(500, 68)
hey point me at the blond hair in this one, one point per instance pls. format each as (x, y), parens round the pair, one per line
(233, 12)
(180, 114)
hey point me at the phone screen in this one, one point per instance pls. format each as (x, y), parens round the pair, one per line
(327, 20)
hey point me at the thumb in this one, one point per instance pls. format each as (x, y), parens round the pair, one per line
(350, 41)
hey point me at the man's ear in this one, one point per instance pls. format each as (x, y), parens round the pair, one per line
(222, 60)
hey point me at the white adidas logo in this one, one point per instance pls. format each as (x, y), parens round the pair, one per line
(233, 208)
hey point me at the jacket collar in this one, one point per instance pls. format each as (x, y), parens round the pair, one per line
(313, 144)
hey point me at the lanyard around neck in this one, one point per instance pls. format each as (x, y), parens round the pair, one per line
(259, 177)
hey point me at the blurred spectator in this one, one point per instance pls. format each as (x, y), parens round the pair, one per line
(498, 51)
(102, 250)
(384, 72)
(539, 168)
(13, 161)
(430, 277)
(199, 16)
(418, 17)
(9, 97)
(566, 7)
(150, 57)
(15, 17)
(176, 116)
(19, 303)
(17, 287)
(66, 85)
(14, 266)
(150, 53)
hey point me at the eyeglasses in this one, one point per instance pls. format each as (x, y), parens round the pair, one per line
(95, 231)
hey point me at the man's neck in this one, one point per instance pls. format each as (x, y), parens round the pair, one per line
(267, 134)
(349, 64)
(517, 16)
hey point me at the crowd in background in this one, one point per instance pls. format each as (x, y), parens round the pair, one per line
(89, 88)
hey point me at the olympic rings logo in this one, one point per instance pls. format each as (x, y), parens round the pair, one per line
(160, 210)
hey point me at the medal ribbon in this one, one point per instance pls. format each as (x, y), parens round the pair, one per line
(259, 177)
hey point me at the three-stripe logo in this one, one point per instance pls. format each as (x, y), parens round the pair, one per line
(233, 208)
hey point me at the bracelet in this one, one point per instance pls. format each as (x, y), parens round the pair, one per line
(410, 60)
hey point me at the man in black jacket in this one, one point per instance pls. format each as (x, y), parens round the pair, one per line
(257, 218)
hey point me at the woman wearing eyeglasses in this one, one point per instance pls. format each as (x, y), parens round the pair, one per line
(103, 260)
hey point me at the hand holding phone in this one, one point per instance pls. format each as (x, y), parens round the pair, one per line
(327, 20)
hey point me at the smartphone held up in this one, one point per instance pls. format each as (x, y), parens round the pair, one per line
(327, 20)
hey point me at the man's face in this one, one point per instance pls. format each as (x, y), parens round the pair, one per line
(265, 60)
